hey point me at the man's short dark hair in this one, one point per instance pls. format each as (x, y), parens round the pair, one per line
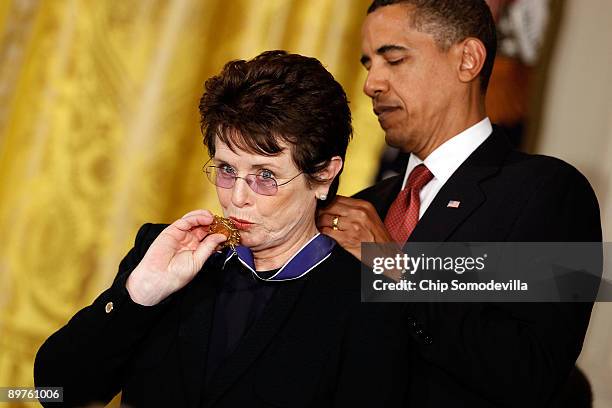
(278, 97)
(452, 21)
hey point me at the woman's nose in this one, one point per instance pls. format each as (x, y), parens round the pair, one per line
(241, 193)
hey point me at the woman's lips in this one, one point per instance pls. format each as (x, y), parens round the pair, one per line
(241, 224)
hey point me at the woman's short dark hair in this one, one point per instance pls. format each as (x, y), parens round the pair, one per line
(278, 97)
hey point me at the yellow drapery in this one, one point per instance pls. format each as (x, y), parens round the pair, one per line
(99, 133)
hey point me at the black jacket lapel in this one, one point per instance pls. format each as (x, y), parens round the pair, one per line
(255, 340)
(194, 331)
(440, 220)
(382, 194)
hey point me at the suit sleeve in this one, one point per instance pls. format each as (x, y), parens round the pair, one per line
(516, 354)
(88, 356)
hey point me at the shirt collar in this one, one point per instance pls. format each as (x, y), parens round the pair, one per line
(447, 157)
(308, 257)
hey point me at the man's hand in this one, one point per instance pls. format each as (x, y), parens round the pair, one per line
(358, 222)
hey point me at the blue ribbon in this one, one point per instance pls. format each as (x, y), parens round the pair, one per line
(315, 251)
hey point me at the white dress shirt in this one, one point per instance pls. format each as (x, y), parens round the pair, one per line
(447, 158)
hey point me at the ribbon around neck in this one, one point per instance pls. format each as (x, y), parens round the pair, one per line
(308, 257)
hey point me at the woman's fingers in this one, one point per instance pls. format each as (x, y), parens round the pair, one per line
(199, 211)
(207, 247)
(200, 232)
(191, 221)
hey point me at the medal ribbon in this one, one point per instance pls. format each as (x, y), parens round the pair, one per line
(315, 251)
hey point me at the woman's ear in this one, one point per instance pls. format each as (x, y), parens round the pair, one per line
(326, 176)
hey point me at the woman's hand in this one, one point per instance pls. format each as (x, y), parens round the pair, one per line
(174, 258)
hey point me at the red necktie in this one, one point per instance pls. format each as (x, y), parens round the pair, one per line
(403, 214)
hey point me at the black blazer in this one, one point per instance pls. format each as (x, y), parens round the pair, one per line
(316, 345)
(498, 355)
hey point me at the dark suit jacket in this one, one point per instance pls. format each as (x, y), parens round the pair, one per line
(315, 345)
(502, 355)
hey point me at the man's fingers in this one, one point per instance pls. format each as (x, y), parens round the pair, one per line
(336, 235)
(343, 240)
(350, 208)
(343, 200)
(355, 222)
(337, 207)
(327, 220)
(346, 203)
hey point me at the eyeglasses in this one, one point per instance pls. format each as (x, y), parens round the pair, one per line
(262, 183)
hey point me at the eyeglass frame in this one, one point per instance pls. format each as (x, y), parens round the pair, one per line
(206, 166)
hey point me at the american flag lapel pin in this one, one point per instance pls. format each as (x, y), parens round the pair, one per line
(453, 204)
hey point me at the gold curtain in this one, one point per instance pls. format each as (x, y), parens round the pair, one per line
(99, 134)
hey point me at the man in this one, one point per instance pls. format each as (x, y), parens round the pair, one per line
(428, 64)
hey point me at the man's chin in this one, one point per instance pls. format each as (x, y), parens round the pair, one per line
(394, 139)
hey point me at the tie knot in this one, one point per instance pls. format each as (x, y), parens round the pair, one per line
(419, 176)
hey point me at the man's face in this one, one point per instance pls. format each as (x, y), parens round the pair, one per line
(411, 81)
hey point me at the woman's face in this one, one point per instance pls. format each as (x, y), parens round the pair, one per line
(266, 222)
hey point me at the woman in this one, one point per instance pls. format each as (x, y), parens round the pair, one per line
(276, 321)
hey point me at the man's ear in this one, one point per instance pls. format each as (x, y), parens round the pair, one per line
(471, 54)
(327, 175)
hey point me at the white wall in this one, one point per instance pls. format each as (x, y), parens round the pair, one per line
(577, 127)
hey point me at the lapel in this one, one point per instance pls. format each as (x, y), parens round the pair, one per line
(439, 222)
(256, 339)
(196, 315)
(382, 195)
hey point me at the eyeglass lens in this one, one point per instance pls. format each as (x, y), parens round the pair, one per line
(257, 183)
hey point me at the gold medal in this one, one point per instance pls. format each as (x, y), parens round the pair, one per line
(226, 227)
